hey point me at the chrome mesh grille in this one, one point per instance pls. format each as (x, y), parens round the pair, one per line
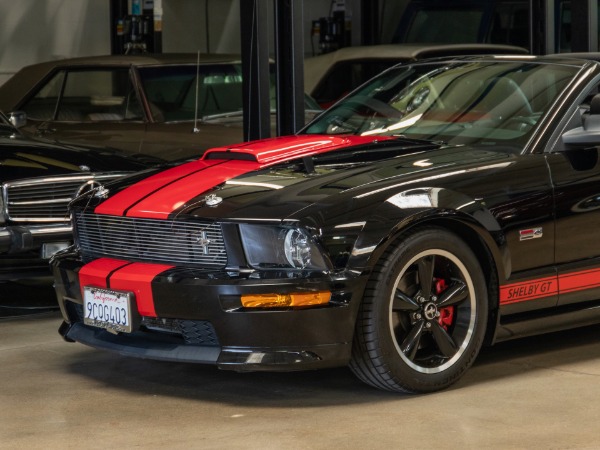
(189, 243)
(45, 199)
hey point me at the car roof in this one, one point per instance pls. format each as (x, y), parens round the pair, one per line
(141, 60)
(20, 85)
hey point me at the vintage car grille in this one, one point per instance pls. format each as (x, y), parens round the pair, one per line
(46, 199)
(177, 242)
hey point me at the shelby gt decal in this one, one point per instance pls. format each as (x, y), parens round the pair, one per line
(549, 286)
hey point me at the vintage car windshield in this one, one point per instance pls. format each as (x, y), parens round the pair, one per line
(171, 90)
(174, 91)
(455, 102)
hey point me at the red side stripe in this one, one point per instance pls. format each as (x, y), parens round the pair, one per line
(579, 281)
(137, 278)
(160, 204)
(118, 203)
(549, 286)
(95, 273)
(528, 290)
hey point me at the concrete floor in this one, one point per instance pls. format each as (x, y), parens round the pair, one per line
(534, 393)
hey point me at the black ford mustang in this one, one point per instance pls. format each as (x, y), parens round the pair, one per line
(443, 205)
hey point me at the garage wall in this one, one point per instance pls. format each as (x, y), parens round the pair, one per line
(185, 24)
(39, 30)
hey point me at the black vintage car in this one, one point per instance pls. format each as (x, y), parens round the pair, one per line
(38, 180)
(444, 205)
(171, 106)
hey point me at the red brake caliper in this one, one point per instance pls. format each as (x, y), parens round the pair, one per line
(446, 314)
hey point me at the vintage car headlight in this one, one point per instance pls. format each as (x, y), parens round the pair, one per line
(274, 247)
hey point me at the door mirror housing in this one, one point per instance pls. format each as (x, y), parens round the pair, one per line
(17, 118)
(588, 135)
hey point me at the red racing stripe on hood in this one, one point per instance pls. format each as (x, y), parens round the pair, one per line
(160, 204)
(275, 150)
(161, 194)
(121, 201)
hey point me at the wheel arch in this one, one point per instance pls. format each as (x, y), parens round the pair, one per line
(487, 244)
(395, 319)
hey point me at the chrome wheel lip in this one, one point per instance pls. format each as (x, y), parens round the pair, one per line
(472, 318)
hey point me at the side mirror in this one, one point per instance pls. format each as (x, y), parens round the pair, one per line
(587, 135)
(17, 118)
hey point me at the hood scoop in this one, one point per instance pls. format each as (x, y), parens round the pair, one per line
(275, 150)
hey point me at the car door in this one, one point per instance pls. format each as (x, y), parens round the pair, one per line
(575, 172)
(92, 106)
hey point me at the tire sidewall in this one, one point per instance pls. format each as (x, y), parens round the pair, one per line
(395, 264)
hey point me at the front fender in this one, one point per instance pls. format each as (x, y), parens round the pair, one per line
(412, 208)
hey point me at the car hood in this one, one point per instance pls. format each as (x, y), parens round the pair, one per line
(275, 179)
(26, 158)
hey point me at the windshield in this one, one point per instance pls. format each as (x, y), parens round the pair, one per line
(174, 91)
(456, 102)
(171, 90)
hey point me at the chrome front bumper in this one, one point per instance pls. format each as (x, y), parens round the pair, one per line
(21, 238)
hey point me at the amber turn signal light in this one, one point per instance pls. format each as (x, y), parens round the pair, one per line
(286, 300)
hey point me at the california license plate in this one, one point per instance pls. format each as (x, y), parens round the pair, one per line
(107, 309)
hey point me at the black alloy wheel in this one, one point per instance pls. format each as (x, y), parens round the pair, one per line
(423, 317)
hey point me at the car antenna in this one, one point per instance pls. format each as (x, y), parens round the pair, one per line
(196, 129)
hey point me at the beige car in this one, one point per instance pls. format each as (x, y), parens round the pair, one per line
(329, 77)
(148, 104)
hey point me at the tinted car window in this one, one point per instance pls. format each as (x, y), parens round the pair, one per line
(171, 90)
(86, 96)
(42, 106)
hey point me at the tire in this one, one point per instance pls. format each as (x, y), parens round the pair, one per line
(423, 317)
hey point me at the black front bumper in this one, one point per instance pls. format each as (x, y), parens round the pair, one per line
(200, 320)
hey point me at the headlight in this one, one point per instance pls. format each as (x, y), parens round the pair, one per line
(272, 247)
(297, 248)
